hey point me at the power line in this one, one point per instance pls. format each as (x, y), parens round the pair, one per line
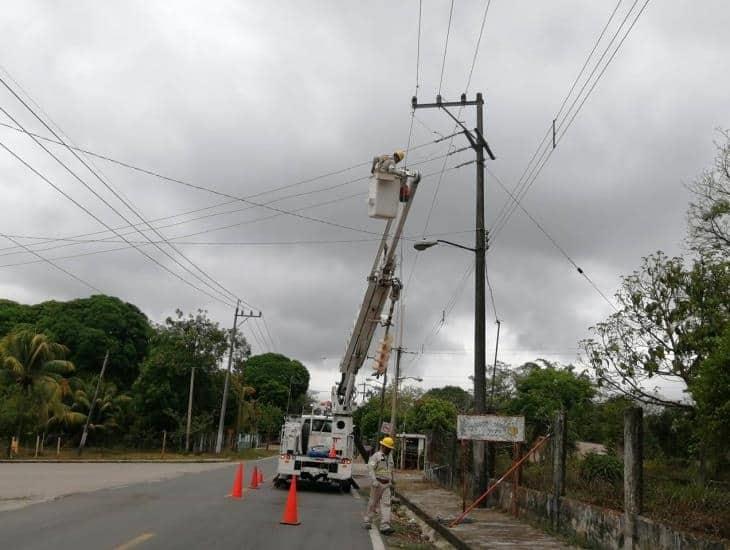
(268, 332)
(116, 249)
(114, 192)
(564, 102)
(479, 42)
(491, 292)
(55, 265)
(74, 201)
(446, 45)
(209, 230)
(551, 239)
(523, 188)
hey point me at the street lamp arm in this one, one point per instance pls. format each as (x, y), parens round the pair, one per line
(456, 245)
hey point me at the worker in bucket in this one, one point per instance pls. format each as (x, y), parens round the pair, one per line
(380, 468)
(386, 163)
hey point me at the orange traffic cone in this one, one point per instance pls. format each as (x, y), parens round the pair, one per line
(291, 515)
(254, 478)
(237, 490)
(333, 451)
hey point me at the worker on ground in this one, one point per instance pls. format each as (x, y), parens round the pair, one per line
(380, 468)
(386, 163)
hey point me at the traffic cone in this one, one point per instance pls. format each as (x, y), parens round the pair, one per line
(237, 489)
(254, 478)
(333, 451)
(291, 515)
(261, 476)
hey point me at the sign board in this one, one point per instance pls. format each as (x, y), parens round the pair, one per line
(490, 427)
(385, 428)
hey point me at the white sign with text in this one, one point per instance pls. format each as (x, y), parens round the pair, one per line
(490, 427)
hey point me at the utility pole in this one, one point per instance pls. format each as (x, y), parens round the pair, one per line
(479, 144)
(85, 433)
(221, 420)
(190, 410)
(190, 398)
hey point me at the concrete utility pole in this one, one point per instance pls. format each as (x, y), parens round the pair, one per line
(190, 410)
(85, 433)
(479, 145)
(221, 420)
(190, 399)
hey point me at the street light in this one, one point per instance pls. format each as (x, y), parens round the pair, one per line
(423, 245)
(417, 379)
(481, 465)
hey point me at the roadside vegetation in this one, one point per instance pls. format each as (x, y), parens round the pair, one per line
(51, 357)
(671, 324)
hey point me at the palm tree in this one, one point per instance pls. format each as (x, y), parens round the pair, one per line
(37, 365)
(107, 409)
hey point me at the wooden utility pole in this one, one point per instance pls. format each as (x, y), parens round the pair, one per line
(93, 403)
(221, 420)
(480, 146)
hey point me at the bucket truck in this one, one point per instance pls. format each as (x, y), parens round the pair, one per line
(320, 447)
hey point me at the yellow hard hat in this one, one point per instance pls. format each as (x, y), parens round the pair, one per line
(388, 442)
(399, 155)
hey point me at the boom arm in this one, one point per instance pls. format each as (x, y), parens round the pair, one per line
(381, 283)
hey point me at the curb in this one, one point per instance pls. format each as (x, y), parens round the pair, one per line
(440, 528)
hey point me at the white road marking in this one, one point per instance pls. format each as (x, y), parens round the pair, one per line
(376, 540)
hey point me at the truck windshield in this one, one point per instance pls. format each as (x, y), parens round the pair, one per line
(321, 425)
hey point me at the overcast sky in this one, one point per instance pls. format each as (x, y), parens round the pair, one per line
(245, 97)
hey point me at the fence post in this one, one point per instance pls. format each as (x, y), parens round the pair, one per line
(164, 443)
(516, 478)
(37, 445)
(559, 449)
(633, 471)
(58, 447)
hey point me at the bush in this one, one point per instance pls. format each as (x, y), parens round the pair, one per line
(595, 467)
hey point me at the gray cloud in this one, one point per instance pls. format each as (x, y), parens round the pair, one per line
(247, 97)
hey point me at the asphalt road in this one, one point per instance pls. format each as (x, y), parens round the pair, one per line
(189, 511)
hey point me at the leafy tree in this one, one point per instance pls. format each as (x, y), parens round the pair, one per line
(272, 375)
(461, 399)
(270, 419)
(88, 327)
(91, 326)
(711, 390)
(161, 390)
(709, 212)
(432, 414)
(667, 321)
(543, 388)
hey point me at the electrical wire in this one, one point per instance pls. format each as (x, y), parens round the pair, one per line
(552, 240)
(99, 220)
(446, 45)
(521, 189)
(116, 249)
(55, 265)
(225, 300)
